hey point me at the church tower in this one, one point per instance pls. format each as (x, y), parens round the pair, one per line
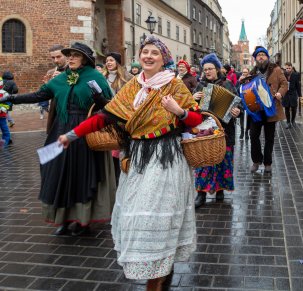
(241, 56)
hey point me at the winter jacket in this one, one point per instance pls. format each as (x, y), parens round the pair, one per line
(294, 90)
(9, 84)
(190, 82)
(277, 82)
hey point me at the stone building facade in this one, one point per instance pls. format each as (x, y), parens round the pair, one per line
(172, 27)
(206, 29)
(30, 28)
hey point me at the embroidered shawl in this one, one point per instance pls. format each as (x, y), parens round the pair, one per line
(151, 119)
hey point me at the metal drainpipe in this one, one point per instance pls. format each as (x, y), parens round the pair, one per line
(133, 31)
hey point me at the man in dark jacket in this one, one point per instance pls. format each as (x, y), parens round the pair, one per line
(10, 87)
(277, 83)
(290, 100)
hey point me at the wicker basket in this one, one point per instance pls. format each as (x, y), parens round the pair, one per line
(206, 150)
(102, 140)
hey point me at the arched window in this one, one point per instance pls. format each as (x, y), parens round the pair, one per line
(13, 36)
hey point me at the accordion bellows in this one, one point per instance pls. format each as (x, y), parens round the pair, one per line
(219, 101)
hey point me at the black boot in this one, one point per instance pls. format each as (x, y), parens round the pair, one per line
(200, 199)
(288, 125)
(62, 229)
(220, 195)
(80, 230)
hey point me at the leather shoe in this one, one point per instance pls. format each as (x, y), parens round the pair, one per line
(268, 169)
(62, 229)
(80, 230)
(200, 199)
(288, 125)
(254, 167)
(220, 195)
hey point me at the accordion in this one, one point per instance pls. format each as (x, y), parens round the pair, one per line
(219, 101)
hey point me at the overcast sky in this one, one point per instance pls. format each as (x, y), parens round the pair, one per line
(256, 14)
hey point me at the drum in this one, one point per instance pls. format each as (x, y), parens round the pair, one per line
(250, 98)
(256, 96)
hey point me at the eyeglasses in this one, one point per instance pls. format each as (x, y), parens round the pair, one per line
(208, 69)
(74, 55)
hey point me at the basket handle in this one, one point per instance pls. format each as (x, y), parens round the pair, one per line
(89, 114)
(214, 117)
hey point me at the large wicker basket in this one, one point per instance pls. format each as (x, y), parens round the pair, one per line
(102, 140)
(207, 150)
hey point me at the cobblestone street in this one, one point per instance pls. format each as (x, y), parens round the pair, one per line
(251, 241)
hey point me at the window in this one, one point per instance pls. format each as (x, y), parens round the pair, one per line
(194, 12)
(210, 24)
(177, 32)
(168, 28)
(199, 16)
(194, 36)
(160, 25)
(206, 42)
(206, 21)
(138, 14)
(200, 38)
(13, 37)
(215, 28)
(184, 36)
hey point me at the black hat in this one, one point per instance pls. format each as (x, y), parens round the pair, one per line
(83, 49)
(116, 56)
(227, 67)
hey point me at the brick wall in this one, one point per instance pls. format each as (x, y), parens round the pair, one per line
(115, 22)
(50, 22)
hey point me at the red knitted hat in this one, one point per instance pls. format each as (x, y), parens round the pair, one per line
(185, 64)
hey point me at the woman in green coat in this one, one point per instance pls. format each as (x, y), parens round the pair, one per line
(78, 185)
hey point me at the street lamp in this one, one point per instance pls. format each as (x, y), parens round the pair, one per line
(151, 23)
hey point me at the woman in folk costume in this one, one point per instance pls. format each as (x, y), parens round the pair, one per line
(153, 221)
(184, 73)
(219, 177)
(116, 77)
(79, 185)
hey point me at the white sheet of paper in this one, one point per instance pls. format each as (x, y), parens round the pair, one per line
(94, 85)
(49, 152)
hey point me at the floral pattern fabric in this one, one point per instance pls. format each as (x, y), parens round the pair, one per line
(217, 177)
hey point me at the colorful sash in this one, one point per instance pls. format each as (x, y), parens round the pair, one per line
(151, 119)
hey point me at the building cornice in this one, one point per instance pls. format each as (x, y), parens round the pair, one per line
(170, 9)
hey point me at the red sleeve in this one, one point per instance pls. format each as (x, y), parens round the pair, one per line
(192, 119)
(92, 124)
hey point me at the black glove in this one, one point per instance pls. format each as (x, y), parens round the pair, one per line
(99, 100)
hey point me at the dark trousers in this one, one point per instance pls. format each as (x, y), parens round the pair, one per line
(269, 135)
(248, 121)
(117, 169)
(293, 113)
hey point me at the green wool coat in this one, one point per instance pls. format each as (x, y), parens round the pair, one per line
(80, 92)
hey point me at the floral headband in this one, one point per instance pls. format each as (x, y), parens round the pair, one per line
(165, 52)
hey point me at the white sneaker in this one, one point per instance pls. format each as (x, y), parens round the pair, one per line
(41, 116)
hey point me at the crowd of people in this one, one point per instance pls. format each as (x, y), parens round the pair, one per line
(150, 199)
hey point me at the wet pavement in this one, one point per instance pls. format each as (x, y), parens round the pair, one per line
(251, 241)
